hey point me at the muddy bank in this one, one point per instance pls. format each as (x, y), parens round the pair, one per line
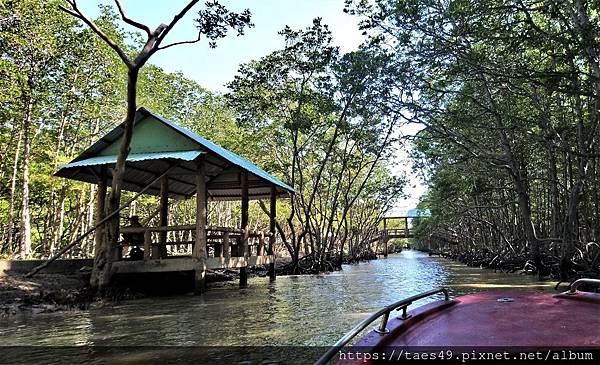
(49, 292)
(43, 293)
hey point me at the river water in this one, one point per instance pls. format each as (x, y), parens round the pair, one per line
(294, 310)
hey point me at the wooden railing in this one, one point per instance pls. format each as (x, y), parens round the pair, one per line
(218, 238)
(398, 232)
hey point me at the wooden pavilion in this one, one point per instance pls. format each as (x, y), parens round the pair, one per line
(169, 161)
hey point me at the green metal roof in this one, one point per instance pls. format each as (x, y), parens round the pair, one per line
(156, 144)
(133, 157)
(226, 154)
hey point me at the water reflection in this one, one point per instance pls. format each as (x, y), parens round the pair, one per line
(294, 310)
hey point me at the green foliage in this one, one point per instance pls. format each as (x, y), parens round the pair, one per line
(318, 119)
(509, 95)
(323, 114)
(78, 86)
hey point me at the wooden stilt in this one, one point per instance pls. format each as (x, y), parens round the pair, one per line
(161, 249)
(147, 244)
(226, 250)
(199, 252)
(245, 208)
(260, 248)
(272, 216)
(385, 238)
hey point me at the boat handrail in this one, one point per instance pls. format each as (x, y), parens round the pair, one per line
(385, 312)
(578, 282)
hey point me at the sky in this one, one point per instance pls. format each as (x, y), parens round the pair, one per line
(214, 67)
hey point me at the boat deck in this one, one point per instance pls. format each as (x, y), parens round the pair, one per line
(498, 319)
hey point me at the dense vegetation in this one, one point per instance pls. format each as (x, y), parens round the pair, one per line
(313, 117)
(508, 93)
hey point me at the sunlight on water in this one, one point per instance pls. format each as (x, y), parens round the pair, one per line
(294, 310)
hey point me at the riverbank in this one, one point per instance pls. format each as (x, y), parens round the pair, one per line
(43, 293)
(508, 262)
(70, 290)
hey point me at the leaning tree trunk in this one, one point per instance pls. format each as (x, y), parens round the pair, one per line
(108, 248)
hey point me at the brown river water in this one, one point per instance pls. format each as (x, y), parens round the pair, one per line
(308, 310)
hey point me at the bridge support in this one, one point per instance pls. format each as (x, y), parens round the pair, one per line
(385, 238)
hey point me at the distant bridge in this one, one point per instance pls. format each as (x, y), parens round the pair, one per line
(398, 233)
(387, 233)
(406, 231)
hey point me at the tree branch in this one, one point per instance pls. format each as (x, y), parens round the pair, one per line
(178, 43)
(155, 38)
(176, 18)
(130, 21)
(77, 13)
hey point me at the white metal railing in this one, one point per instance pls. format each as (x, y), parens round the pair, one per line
(382, 329)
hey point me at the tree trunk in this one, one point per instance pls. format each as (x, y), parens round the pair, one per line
(25, 233)
(13, 189)
(106, 254)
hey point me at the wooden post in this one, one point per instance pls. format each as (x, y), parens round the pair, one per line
(147, 244)
(385, 238)
(226, 250)
(260, 249)
(218, 249)
(245, 207)
(199, 252)
(164, 216)
(100, 206)
(406, 227)
(386, 246)
(272, 216)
